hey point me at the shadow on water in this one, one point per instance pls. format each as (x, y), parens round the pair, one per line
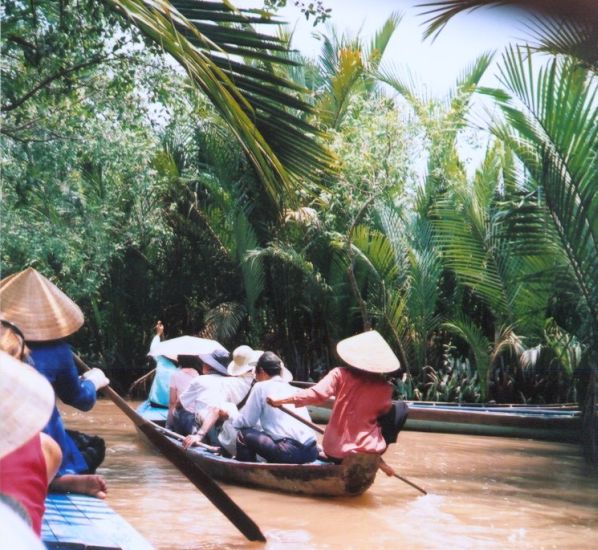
(484, 492)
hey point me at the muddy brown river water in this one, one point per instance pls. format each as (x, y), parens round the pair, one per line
(484, 492)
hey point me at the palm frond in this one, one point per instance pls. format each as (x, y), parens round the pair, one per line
(207, 38)
(480, 347)
(553, 128)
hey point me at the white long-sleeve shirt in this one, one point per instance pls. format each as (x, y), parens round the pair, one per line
(214, 390)
(276, 423)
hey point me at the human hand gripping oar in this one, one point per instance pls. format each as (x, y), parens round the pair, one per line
(388, 470)
(181, 460)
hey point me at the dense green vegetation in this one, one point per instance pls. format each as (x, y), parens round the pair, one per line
(289, 202)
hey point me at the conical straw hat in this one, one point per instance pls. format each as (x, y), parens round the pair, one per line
(39, 308)
(368, 351)
(26, 403)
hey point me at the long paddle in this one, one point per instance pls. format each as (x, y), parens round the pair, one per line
(320, 430)
(194, 473)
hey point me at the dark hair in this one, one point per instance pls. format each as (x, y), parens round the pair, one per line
(189, 362)
(12, 340)
(270, 363)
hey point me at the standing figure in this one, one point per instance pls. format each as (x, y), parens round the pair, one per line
(269, 432)
(362, 395)
(159, 393)
(47, 316)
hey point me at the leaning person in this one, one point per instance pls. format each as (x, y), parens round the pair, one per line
(362, 395)
(280, 437)
(203, 391)
(215, 401)
(46, 316)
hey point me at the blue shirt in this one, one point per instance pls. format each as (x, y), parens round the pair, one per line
(159, 393)
(55, 361)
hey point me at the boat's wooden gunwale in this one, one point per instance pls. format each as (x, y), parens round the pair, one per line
(351, 478)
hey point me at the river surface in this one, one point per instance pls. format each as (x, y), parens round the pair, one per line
(483, 492)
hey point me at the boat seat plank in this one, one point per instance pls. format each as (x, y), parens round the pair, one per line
(75, 521)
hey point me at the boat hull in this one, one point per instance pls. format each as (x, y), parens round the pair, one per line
(351, 478)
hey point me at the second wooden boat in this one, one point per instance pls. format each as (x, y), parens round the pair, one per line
(534, 422)
(351, 478)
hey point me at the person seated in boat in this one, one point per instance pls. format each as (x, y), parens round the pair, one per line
(362, 394)
(188, 369)
(29, 459)
(236, 388)
(201, 392)
(46, 317)
(280, 438)
(159, 394)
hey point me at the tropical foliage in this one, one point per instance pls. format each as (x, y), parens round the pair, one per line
(236, 190)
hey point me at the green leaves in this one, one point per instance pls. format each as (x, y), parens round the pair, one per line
(262, 109)
(553, 128)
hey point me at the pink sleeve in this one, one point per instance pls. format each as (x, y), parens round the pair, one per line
(323, 390)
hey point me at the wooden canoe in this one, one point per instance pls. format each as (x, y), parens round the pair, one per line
(551, 423)
(351, 478)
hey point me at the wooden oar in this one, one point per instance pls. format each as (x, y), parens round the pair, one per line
(320, 430)
(194, 473)
(180, 437)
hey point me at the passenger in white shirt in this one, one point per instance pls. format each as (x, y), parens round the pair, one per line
(211, 393)
(201, 392)
(280, 438)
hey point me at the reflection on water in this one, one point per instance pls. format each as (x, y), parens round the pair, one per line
(484, 492)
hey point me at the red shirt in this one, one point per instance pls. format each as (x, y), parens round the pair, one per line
(360, 400)
(23, 476)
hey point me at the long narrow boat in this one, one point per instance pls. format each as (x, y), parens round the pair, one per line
(351, 478)
(80, 521)
(550, 423)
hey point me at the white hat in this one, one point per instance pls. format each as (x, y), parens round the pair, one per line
(244, 360)
(368, 351)
(40, 309)
(26, 403)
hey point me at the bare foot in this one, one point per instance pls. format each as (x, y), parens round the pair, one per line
(87, 484)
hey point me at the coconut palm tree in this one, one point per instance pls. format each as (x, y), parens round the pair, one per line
(232, 64)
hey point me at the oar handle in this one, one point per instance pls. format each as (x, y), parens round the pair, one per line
(180, 437)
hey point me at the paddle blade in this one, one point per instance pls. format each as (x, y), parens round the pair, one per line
(204, 483)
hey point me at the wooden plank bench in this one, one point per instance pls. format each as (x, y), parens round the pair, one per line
(75, 521)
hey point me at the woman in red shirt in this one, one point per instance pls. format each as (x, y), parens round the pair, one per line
(362, 395)
(27, 462)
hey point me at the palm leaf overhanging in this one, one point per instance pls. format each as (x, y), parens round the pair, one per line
(568, 27)
(552, 125)
(234, 65)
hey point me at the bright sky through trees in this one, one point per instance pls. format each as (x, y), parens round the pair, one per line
(435, 64)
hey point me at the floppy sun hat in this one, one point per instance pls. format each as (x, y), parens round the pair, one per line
(368, 351)
(39, 308)
(244, 360)
(218, 360)
(26, 403)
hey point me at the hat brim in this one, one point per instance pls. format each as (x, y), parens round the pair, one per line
(38, 307)
(239, 369)
(369, 352)
(209, 360)
(26, 403)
